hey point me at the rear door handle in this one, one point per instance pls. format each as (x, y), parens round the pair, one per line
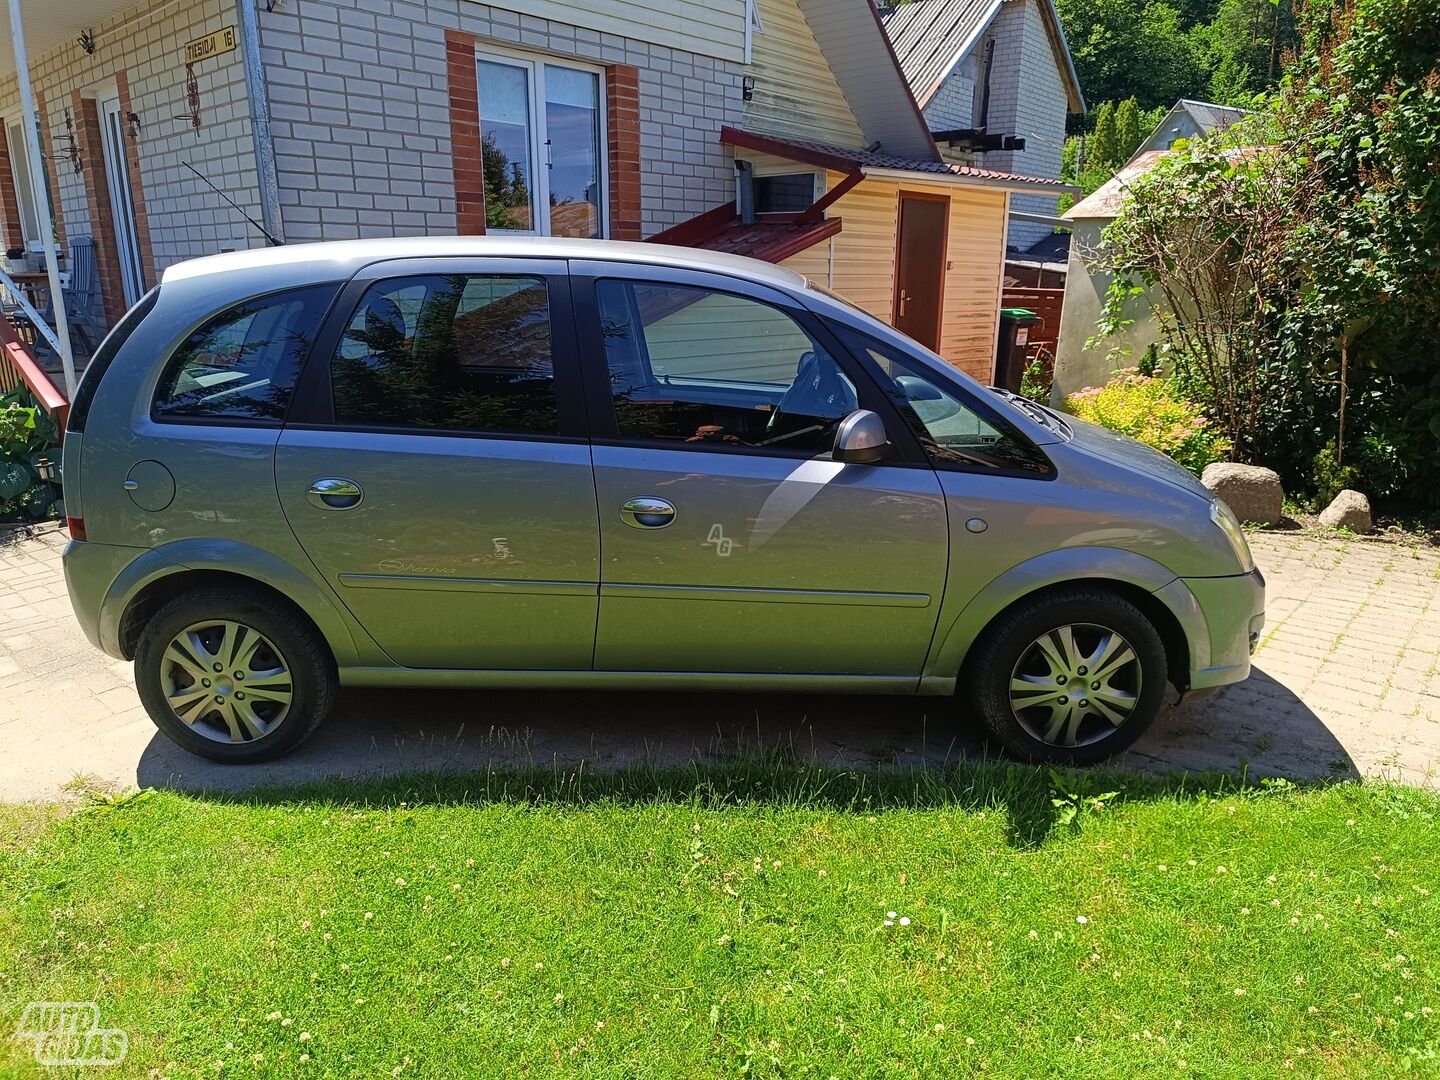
(647, 512)
(334, 493)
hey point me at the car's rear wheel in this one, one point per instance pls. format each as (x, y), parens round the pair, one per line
(232, 675)
(1072, 676)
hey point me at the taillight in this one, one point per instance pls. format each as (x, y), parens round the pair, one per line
(76, 527)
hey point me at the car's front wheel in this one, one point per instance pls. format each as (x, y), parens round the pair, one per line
(1072, 676)
(232, 675)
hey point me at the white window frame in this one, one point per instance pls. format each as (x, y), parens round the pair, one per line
(113, 133)
(753, 25)
(24, 193)
(534, 65)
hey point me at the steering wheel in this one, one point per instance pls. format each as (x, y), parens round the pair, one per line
(819, 392)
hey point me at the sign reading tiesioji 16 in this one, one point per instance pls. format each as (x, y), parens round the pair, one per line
(221, 41)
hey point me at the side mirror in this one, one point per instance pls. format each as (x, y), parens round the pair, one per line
(861, 439)
(917, 389)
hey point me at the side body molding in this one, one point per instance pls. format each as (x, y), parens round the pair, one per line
(958, 630)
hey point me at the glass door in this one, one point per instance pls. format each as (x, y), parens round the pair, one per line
(122, 199)
(540, 143)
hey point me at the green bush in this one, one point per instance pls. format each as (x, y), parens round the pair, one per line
(1331, 477)
(1152, 410)
(26, 433)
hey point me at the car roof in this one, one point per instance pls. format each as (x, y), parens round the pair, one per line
(330, 260)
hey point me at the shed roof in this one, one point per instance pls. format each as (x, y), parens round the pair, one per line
(1106, 200)
(825, 156)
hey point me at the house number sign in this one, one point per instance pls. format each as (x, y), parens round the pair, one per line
(221, 41)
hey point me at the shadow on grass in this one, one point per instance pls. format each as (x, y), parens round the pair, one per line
(1033, 798)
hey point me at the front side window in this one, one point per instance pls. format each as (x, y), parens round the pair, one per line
(540, 147)
(692, 366)
(241, 365)
(457, 352)
(951, 431)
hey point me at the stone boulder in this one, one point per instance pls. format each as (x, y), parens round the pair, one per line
(1253, 493)
(1350, 510)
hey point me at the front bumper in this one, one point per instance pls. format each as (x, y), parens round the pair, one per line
(1222, 618)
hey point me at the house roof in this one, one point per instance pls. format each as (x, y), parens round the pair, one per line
(931, 37)
(825, 156)
(766, 239)
(1106, 200)
(858, 51)
(1206, 115)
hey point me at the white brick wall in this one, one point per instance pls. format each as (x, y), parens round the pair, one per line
(186, 219)
(360, 113)
(1027, 98)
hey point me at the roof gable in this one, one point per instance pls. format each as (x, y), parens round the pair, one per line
(932, 37)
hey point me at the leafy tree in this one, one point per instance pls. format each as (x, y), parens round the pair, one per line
(1133, 47)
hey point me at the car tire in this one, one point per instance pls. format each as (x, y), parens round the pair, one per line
(268, 676)
(1073, 676)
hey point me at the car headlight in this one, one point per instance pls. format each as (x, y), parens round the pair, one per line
(1229, 525)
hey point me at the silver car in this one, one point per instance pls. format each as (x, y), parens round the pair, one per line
(505, 462)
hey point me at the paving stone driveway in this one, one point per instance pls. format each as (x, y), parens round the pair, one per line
(1347, 680)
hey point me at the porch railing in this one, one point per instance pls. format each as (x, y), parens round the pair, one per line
(18, 367)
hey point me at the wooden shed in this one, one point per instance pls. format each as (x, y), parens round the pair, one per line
(917, 243)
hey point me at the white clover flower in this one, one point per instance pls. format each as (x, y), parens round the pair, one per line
(904, 920)
(1081, 919)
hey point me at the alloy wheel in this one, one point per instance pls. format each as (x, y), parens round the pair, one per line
(226, 681)
(1074, 685)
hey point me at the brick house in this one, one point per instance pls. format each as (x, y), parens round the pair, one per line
(782, 128)
(995, 80)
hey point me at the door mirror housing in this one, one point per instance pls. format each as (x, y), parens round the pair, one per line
(861, 439)
(917, 389)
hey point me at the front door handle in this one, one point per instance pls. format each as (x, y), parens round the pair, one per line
(334, 493)
(647, 512)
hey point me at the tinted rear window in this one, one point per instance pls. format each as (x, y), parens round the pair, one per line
(242, 364)
(104, 356)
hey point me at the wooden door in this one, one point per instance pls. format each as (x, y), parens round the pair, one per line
(920, 266)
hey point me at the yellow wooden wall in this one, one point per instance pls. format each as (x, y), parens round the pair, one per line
(863, 260)
(795, 91)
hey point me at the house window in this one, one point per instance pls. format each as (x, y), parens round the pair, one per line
(20, 175)
(542, 138)
(787, 193)
(753, 25)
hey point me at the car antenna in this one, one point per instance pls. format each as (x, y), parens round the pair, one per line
(260, 228)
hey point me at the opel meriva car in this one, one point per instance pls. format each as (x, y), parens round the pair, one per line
(506, 462)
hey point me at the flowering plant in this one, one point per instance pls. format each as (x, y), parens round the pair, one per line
(1151, 409)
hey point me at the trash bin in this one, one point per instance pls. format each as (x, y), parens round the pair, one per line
(1010, 350)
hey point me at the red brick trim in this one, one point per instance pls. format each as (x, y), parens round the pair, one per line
(137, 188)
(97, 197)
(11, 234)
(622, 115)
(465, 133)
(47, 147)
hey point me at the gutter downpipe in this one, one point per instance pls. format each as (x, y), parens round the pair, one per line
(40, 194)
(259, 118)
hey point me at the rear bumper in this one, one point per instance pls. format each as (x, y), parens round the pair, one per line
(1222, 618)
(91, 571)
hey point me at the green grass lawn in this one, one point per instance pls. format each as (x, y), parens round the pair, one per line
(737, 920)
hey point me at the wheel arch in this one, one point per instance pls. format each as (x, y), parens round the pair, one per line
(165, 573)
(1132, 577)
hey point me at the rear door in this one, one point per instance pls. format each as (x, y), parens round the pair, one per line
(731, 541)
(436, 468)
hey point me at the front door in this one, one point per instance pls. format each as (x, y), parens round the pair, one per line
(731, 541)
(920, 266)
(437, 471)
(122, 198)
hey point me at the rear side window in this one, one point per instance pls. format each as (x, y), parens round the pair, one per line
(241, 365)
(449, 352)
(104, 356)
